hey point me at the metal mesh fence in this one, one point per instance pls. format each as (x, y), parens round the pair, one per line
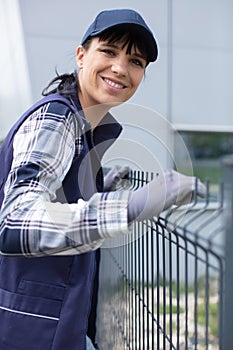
(162, 288)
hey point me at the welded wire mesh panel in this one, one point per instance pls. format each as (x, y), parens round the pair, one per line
(162, 287)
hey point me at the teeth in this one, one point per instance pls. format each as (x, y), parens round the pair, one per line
(115, 85)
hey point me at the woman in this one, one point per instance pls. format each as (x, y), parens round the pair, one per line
(54, 207)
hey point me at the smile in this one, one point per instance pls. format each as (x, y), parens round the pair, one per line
(114, 85)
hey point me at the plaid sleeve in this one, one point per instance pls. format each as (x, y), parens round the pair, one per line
(31, 223)
(112, 213)
(37, 227)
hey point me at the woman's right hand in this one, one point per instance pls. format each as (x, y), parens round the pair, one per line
(167, 189)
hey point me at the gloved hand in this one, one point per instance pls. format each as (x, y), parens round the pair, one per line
(167, 189)
(115, 178)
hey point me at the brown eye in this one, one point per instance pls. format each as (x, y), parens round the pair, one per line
(108, 52)
(137, 62)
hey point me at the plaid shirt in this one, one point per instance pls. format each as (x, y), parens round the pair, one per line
(32, 223)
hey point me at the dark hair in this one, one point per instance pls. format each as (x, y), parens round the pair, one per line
(124, 34)
(63, 84)
(129, 36)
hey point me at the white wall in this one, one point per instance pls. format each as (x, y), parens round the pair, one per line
(15, 92)
(202, 71)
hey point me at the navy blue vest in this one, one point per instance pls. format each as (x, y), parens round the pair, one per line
(45, 303)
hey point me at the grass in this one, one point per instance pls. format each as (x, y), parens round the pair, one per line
(166, 309)
(213, 313)
(213, 307)
(201, 286)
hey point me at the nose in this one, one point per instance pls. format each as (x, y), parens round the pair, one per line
(120, 66)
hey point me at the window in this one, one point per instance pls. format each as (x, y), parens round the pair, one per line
(206, 150)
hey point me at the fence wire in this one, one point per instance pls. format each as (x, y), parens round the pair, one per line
(162, 287)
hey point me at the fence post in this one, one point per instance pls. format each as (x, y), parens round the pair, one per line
(227, 321)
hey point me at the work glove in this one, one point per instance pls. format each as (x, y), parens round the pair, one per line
(167, 189)
(116, 178)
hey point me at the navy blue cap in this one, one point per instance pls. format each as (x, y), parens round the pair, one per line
(111, 18)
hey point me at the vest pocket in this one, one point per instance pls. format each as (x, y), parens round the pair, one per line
(41, 290)
(28, 321)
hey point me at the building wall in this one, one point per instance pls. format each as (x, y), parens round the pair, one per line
(15, 90)
(190, 84)
(202, 69)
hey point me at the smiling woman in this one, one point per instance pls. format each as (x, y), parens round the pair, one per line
(108, 74)
(56, 205)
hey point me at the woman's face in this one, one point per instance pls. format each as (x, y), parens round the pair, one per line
(107, 74)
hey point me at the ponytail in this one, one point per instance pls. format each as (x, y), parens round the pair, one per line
(63, 84)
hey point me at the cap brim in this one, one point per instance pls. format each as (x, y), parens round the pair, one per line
(149, 38)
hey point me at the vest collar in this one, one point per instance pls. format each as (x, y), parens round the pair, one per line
(107, 130)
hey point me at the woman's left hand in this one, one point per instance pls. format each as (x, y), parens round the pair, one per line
(116, 178)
